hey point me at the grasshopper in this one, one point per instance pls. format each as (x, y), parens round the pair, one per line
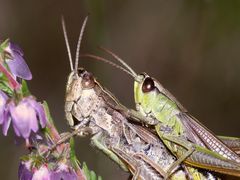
(92, 110)
(190, 141)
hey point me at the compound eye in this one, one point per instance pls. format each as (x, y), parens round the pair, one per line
(88, 81)
(80, 71)
(148, 85)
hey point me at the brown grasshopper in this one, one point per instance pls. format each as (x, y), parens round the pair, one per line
(91, 108)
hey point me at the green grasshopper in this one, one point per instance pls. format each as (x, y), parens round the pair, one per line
(190, 141)
(92, 110)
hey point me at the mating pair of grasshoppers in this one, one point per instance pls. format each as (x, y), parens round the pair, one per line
(177, 147)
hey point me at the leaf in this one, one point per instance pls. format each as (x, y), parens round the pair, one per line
(93, 175)
(24, 89)
(47, 111)
(90, 175)
(73, 158)
(47, 129)
(4, 87)
(3, 45)
(24, 158)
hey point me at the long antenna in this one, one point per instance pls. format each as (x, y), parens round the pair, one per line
(109, 62)
(79, 43)
(120, 60)
(67, 43)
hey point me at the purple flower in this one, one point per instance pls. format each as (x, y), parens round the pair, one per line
(3, 102)
(64, 172)
(17, 64)
(27, 172)
(42, 174)
(25, 116)
(24, 172)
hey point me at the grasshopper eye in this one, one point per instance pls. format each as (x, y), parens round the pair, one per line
(88, 81)
(148, 85)
(80, 71)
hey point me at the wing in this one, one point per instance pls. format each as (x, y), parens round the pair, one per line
(231, 142)
(202, 135)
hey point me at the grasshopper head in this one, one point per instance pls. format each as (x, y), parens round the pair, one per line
(78, 85)
(77, 82)
(145, 93)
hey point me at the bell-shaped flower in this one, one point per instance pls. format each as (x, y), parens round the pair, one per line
(16, 63)
(64, 172)
(27, 172)
(24, 172)
(25, 117)
(42, 174)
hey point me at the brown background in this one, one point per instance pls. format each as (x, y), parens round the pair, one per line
(192, 47)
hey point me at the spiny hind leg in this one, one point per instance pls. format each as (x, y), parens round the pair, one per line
(133, 160)
(137, 173)
(128, 159)
(151, 163)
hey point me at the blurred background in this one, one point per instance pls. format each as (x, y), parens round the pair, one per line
(191, 46)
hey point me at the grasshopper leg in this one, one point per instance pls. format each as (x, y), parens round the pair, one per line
(190, 149)
(137, 173)
(67, 136)
(137, 117)
(132, 163)
(140, 165)
(200, 157)
(150, 162)
(97, 141)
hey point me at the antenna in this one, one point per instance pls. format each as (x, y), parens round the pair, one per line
(119, 60)
(79, 43)
(67, 43)
(107, 61)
